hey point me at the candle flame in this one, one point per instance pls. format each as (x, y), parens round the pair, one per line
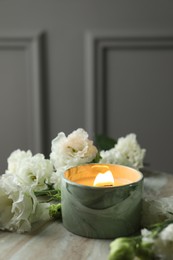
(104, 179)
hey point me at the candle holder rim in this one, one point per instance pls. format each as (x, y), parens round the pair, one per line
(100, 187)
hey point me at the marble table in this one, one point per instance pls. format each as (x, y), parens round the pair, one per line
(50, 240)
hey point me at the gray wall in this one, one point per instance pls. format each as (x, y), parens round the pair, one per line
(62, 69)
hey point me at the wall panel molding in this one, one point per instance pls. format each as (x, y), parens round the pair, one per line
(30, 44)
(97, 46)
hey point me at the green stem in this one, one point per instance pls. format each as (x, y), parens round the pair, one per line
(53, 194)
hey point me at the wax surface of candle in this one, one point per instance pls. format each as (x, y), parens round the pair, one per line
(87, 175)
(103, 180)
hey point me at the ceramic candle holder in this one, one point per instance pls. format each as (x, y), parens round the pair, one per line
(101, 212)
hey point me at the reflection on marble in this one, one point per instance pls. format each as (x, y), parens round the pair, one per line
(101, 212)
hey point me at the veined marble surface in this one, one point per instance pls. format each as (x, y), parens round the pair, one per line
(52, 241)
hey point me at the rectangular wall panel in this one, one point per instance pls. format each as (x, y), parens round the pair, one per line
(20, 95)
(130, 78)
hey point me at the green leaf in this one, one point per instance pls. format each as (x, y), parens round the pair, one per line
(55, 211)
(104, 142)
(97, 158)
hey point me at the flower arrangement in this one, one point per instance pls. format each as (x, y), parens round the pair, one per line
(153, 243)
(30, 188)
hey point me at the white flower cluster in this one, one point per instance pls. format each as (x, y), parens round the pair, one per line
(156, 210)
(34, 171)
(19, 206)
(162, 244)
(153, 243)
(75, 149)
(126, 152)
(28, 174)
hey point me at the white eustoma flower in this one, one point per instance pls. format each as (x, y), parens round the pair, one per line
(41, 212)
(167, 234)
(164, 243)
(108, 156)
(72, 150)
(147, 236)
(156, 210)
(126, 152)
(34, 171)
(129, 150)
(57, 176)
(16, 158)
(18, 206)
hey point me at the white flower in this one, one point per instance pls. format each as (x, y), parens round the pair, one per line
(153, 185)
(34, 171)
(72, 150)
(147, 236)
(126, 152)
(108, 156)
(156, 210)
(166, 235)
(164, 243)
(15, 159)
(57, 177)
(18, 205)
(41, 212)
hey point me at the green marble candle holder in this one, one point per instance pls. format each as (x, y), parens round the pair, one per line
(101, 212)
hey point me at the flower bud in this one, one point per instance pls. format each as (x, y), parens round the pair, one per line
(122, 249)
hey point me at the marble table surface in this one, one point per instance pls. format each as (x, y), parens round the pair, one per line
(50, 240)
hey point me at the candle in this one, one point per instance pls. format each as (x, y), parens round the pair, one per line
(101, 200)
(102, 175)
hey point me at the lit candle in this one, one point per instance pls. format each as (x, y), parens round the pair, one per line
(102, 175)
(102, 200)
(104, 179)
(107, 180)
